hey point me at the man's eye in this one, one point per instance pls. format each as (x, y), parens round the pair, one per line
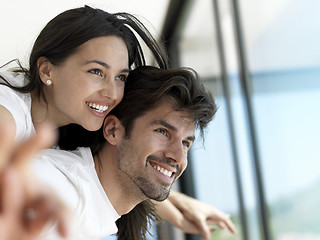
(96, 71)
(186, 143)
(122, 78)
(162, 131)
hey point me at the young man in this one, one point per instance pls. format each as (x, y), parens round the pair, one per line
(140, 152)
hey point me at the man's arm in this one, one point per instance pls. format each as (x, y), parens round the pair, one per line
(193, 216)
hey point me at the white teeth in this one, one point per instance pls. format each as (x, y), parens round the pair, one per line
(97, 107)
(163, 171)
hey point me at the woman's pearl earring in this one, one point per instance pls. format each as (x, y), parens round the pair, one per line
(49, 82)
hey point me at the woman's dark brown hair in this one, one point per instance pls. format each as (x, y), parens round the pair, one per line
(63, 35)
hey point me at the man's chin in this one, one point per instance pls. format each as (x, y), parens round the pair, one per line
(159, 198)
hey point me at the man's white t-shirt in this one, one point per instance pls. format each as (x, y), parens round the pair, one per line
(73, 177)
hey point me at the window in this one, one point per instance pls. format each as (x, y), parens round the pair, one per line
(260, 158)
(283, 52)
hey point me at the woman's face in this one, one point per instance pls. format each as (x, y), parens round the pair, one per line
(89, 83)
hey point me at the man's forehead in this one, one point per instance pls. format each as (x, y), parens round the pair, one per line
(165, 110)
(167, 116)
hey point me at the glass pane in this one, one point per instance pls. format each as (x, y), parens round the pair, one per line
(213, 171)
(198, 45)
(212, 160)
(282, 42)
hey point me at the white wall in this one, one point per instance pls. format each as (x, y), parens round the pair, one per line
(21, 21)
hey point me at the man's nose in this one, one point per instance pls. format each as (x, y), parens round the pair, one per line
(175, 150)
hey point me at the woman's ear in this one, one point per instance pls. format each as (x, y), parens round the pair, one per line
(44, 69)
(113, 131)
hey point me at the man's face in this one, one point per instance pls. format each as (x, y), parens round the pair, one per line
(155, 154)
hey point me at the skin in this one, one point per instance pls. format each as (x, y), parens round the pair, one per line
(193, 216)
(16, 181)
(20, 190)
(162, 137)
(94, 74)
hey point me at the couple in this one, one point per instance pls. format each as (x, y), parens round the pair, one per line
(138, 154)
(77, 75)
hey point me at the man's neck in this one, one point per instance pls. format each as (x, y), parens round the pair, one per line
(116, 185)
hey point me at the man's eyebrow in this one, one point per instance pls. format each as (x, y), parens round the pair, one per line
(105, 65)
(191, 138)
(169, 126)
(165, 124)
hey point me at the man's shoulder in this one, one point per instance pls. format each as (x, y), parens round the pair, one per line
(66, 159)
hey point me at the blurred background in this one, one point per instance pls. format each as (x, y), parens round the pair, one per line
(260, 161)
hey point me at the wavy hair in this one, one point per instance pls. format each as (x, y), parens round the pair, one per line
(63, 35)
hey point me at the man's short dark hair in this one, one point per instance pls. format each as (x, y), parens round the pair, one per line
(146, 86)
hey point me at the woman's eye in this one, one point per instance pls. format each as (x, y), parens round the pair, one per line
(122, 78)
(96, 71)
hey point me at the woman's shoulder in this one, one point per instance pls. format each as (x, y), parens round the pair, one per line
(17, 103)
(15, 79)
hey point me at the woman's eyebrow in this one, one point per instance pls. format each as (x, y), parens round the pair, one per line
(105, 65)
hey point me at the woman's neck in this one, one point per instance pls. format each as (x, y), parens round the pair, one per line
(39, 110)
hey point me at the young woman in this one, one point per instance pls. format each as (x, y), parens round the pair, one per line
(77, 70)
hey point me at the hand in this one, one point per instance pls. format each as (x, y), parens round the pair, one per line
(201, 215)
(168, 211)
(24, 209)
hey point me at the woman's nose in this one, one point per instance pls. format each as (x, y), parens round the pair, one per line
(110, 90)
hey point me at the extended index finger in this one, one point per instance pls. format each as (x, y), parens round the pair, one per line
(25, 152)
(44, 137)
(7, 135)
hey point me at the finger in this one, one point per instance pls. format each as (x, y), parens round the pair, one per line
(63, 226)
(44, 137)
(7, 135)
(37, 215)
(226, 223)
(221, 225)
(189, 227)
(47, 135)
(12, 195)
(46, 210)
(212, 228)
(204, 228)
(230, 226)
(25, 152)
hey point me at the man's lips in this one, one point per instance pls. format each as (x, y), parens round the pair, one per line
(161, 169)
(164, 166)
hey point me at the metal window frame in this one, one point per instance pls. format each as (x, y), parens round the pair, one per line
(227, 96)
(177, 13)
(245, 85)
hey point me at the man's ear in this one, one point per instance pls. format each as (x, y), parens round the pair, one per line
(113, 131)
(44, 69)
